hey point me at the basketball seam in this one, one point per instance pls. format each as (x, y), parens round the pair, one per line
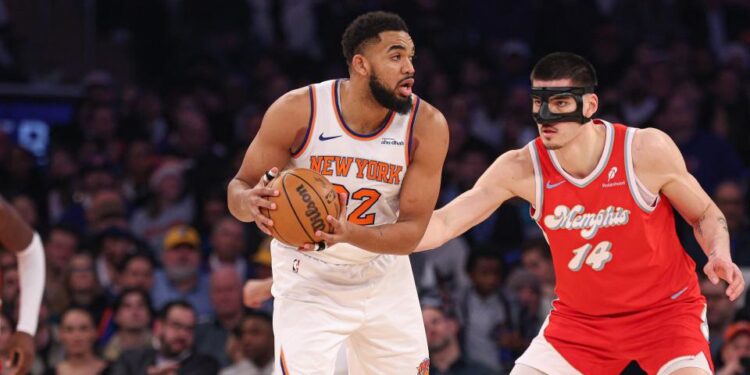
(286, 194)
(275, 229)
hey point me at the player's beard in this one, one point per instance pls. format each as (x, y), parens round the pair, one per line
(387, 98)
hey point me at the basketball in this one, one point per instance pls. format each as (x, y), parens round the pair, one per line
(305, 199)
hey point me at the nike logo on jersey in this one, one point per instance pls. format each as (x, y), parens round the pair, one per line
(552, 186)
(674, 296)
(324, 138)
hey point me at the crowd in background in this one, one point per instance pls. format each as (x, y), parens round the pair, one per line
(130, 195)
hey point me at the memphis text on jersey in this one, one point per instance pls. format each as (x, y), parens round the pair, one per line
(588, 223)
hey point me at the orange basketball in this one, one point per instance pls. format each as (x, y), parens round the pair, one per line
(305, 199)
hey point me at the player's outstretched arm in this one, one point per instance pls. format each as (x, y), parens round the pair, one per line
(282, 129)
(494, 187)
(658, 160)
(419, 192)
(20, 238)
(256, 292)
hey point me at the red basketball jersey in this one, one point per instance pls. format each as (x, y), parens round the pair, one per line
(614, 252)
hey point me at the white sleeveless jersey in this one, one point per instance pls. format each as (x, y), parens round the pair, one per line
(368, 167)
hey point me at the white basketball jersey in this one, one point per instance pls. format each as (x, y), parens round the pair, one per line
(368, 167)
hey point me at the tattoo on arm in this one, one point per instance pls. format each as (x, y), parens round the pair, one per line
(723, 223)
(698, 225)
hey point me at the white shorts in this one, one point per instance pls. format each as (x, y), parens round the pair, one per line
(373, 306)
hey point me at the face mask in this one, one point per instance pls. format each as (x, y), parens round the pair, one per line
(545, 116)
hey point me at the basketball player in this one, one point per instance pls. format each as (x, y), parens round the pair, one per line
(18, 237)
(384, 149)
(603, 195)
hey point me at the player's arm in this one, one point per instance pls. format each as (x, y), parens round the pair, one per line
(281, 131)
(659, 163)
(419, 192)
(494, 187)
(18, 237)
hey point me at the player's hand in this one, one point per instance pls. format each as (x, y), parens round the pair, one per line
(256, 198)
(21, 354)
(255, 292)
(719, 268)
(341, 226)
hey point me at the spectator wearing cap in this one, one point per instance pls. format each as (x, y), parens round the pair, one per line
(182, 277)
(735, 353)
(226, 295)
(446, 357)
(170, 204)
(254, 337)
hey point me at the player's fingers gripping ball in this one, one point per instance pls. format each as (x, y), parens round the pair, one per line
(305, 199)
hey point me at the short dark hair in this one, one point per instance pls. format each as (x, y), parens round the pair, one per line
(537, 245)
(164, 312)
(252, 314)
(484, 252)
(565, 65)
(121, 299)
(367, 27)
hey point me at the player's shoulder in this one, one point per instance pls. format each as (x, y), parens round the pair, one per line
(428, 116)
(650, 140)
(654, 150)
(516, 162)
(291, 109)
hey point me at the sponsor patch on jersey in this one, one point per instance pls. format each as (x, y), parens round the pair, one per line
(391, 141)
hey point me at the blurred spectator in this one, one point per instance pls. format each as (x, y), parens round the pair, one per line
(228, 246)
(175, 331)
(254, 337)
(7, 327)
(182, 276)
(526, 290)
(720, 312)
(113, 244)
(83, 288)
(170, 205)
(78, 335)
(730, 198)
(709, 158)
(446, 357)
(735, 353)
(132, 317)
(537, 259)
(61, 244)
(261, 259)
(485, 313)
(226, 296)
(137, 272)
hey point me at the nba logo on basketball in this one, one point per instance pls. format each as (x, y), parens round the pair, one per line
(295, 265)
(424, 367)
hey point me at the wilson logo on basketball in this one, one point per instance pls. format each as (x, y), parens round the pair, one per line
(311, 212)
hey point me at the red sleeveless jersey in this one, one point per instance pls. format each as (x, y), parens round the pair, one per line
(614, 252)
